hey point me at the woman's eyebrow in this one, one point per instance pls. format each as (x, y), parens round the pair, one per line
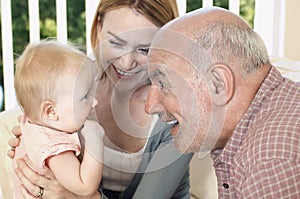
(144, 45)
(115, 36)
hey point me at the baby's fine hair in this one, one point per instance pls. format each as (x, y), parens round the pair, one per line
(38, 69)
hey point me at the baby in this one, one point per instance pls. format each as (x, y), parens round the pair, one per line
(55, 86)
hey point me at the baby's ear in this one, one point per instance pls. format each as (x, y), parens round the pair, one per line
(49, 111)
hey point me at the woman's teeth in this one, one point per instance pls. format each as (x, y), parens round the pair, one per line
(123, 73)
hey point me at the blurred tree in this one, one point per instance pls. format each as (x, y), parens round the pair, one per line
(193, 5)
(246, 8)
(20, 25)
(47, 19)
(76, 22)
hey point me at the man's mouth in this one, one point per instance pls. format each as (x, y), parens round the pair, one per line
(175, 125)
(172, 122)
(124, 74)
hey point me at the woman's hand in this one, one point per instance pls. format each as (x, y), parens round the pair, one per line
(32, 182)
(14, 141)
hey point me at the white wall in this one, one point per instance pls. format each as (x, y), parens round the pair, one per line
(292, 30)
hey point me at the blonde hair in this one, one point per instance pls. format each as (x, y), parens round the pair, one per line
(38, 70)
(159, 12)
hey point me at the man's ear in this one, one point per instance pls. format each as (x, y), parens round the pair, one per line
(49, 111)
(222, 84)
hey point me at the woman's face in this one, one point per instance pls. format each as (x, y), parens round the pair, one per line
(125, 37)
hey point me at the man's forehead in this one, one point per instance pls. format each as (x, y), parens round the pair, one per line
(163, 58)
(170, 46)
(177, 44)
(160, 55)
(170, 66)
(172, 41)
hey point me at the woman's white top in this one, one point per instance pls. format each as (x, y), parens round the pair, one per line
(120, 167)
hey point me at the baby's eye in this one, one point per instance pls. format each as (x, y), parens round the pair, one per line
(86, 96)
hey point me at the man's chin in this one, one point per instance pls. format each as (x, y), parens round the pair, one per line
(182, 147)
(183, 142)
(191, 147)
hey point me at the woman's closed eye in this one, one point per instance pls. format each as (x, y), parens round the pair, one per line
(143, 51)
(115, 43)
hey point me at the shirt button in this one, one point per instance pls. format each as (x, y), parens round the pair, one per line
(226, 186)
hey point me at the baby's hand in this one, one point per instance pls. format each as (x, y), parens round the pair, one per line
(91, 137)
(91, 127)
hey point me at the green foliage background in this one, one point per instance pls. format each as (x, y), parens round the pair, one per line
(246, 8)
(76, 21)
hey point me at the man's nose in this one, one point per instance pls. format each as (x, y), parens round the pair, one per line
(153, 103)
(128, 61)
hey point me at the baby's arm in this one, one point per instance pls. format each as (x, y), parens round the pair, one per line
(81, 178)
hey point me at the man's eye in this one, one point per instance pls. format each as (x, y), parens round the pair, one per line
(161, 85)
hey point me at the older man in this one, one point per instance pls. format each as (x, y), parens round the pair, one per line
(212, 79)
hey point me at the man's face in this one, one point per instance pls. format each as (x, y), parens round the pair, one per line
(179, 97)
(181, 92)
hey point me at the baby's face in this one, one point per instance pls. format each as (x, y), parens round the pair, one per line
(76, 98)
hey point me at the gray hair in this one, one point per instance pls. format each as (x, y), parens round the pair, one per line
(232, 45)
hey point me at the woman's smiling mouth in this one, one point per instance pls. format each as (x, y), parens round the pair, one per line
(124, 74)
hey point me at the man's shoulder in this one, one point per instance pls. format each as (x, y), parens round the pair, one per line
(275, 130)
(272, 140)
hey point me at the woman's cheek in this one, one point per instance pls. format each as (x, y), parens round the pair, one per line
(142, 59)
(109, 53)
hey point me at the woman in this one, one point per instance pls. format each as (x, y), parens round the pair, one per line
(140, 160)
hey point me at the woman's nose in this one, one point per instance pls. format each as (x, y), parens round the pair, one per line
(128, 61)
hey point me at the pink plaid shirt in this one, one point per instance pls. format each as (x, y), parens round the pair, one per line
(262, 158)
